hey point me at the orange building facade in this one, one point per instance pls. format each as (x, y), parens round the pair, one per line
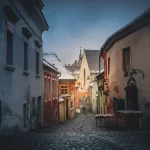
(67, 91)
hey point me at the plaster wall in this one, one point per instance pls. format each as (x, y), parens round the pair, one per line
(140, 45)
(17, 89)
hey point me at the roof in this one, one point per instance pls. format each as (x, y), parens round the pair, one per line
(100, 75)
(47, 64)
(92, 57)
(135, 25)
(73, 69)
(65, 75)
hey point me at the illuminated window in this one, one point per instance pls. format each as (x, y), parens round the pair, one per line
(63, 89)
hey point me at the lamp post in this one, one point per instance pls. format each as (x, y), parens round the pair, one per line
(133, 72)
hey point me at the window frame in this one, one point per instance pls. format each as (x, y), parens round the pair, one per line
(26, 61)
(37, 67)
(108, 65)
(64, 88)
(49, 88)
(45, 89)
(33, 107)
(71, 104)
(126, 62)
(25, 114)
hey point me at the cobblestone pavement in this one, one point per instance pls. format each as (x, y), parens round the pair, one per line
(77, 134)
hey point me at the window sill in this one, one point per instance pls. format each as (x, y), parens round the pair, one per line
(25, 73)
(9, 67)
(71, 108)
(37, 76)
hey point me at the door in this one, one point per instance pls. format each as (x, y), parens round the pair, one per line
(132, 94)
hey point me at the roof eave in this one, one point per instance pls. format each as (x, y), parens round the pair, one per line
(128, 29)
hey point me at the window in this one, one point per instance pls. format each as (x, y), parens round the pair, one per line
(126, 59)
(105, 66)
(108, 65)
(33, 107)
(53, 87)
(84, 77)
(63, 89)
(9, 48)
(25, 56)
(37, 62)
(45, 90)
(71, 104)
(56, 88)
(49, 90)
(24, 115)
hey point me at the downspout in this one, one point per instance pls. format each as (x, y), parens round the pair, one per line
(99, 64)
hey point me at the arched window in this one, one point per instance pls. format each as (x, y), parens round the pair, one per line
(84, 76)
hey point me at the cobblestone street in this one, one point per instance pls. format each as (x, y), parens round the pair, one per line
(79, 133)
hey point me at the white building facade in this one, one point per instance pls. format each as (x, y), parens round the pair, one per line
(21, 81)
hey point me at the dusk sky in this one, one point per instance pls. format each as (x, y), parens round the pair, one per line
(85, 23)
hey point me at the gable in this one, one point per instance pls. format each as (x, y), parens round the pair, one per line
(92, 57)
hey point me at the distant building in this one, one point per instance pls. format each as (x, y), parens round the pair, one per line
(66, 89)
(74, 69)
(21, 26)
(89, 68)
(50, 112)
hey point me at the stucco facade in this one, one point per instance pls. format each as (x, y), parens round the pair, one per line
(94, 96)
(69, 98)
(139, 44)
(51, 102)
(17, 87)
(84, 68)
(127, 50)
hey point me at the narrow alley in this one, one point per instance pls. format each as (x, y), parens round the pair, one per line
(79, 133)
(74, 75)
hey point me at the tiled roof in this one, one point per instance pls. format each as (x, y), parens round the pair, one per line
(65, 75)
(92, 57)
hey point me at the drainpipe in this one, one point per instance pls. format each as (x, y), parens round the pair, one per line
(99, 64)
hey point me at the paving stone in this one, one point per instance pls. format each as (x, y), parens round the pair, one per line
(79, 133)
